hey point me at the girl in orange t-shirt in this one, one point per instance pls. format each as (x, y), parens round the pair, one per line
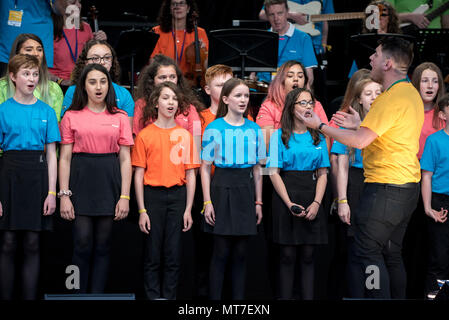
(163, 69)
(164, 180)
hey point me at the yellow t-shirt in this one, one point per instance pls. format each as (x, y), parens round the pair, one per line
(396, 116)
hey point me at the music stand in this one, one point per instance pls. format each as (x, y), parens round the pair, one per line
(366, 44)
(135, 47)
(431, 46)
(244, 49)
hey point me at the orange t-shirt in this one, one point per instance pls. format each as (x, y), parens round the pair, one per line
(165, 44)
(165, 154)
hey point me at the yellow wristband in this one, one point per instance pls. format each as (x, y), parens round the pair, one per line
(342, 201)
(204, 205)
(143, 211)
(125, 197)
(52, 192)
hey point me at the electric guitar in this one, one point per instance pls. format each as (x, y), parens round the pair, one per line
(312, 11)
(430, 16)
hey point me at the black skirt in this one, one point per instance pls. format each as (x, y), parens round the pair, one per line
(23, 190)
(355, 188)
(289, 229)
(95, 181)
(232, 195)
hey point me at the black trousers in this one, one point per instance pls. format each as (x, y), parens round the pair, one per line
(375, 255)
(162, 247)
(438, 262)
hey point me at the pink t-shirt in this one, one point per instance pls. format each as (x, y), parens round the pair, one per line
(191, 122)
(63, 63)
(92, 132)
(428, 129)
(270, 115)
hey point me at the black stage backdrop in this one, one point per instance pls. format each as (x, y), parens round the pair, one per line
(126, 263)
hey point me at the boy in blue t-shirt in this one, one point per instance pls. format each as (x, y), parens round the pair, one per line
(435, 193)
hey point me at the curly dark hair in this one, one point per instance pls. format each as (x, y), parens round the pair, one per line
(288, 117)
(165, 17)
(145, 83)
(150, 110)
(82, 61)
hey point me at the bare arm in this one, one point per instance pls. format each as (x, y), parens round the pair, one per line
(52, 163)
(312, 209)
(344, 211)
(417, 19)
(426, 191)
(144, 219)
(258, 190)
(209, 213)
(310, 76)
(324, 34)
(65, 159)
(190, 185)
(122, 207)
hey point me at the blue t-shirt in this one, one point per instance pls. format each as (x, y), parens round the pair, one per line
(27, 127)
(123, 98)
(231, 146)
(327, 6)
(435, 158)
(36, 19)
(340, 148)
(302, 154)
(294, 45)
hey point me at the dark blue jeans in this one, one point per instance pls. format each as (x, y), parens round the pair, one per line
(375, 255)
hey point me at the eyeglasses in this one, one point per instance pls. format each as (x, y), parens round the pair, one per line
(178, 4)
(97, 59)
(304, 103)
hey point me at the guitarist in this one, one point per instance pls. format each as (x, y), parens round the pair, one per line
(406, 14)
(293, 43)
(319, 41)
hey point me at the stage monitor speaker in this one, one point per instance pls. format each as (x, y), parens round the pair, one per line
(90, 296)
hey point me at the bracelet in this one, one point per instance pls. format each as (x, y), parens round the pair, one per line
(125, 197)
(342, 201)
(52, 192)
(143, 211)
(317, 202)
(321, 125)
(62, 193)
(59, 81)
(204, 205)
(260, 203)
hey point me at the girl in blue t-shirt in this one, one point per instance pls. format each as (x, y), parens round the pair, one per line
(298, 162)
(27, 177)
(233, 199)
(435, 194)
(348, 174)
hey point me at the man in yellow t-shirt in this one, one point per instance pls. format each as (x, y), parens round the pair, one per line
(389, 137)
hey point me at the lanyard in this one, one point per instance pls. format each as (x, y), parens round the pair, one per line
(406, 79)
(74, 55)
(178, 59)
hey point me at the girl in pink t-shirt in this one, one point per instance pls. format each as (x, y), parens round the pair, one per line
(428, 80)
(290, 75)
(70, 36)
(94, 172)
(163, 69)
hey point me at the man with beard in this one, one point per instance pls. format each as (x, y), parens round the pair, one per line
(389, 137)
